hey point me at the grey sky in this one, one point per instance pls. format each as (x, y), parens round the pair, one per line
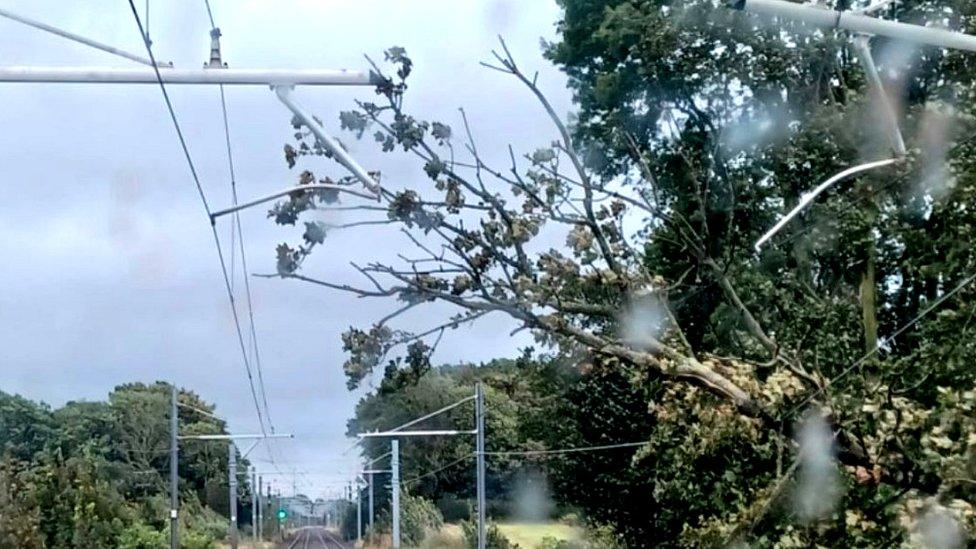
(110, 274)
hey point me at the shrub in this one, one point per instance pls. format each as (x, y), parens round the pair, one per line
(196, 540)
(143, 536)
(454, 509)
(495, 539)
(418, 516)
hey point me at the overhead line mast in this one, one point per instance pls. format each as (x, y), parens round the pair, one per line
(162, 74)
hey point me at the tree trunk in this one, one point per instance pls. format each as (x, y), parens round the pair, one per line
(869, 311)
(869, 285)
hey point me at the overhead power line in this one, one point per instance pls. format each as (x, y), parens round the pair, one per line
(236, 224)
(878, 348)
(210, 14)
(206, 206)
(567, 450)
(246, 275)
(75, 37)
(438, 470)
(529, 453)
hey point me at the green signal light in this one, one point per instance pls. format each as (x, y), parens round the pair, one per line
(282, 514)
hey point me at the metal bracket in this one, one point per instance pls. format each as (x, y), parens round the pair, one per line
(215, 61)
(862, 45)
(284, 94)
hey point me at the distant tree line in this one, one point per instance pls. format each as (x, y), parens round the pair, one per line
(95, 474)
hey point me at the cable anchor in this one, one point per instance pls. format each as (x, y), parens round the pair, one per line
(215, 61)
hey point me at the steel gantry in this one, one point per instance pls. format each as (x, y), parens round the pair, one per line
(479, 432)
(862, 27)
(175, 437)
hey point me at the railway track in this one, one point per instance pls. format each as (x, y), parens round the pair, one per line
(314, 537)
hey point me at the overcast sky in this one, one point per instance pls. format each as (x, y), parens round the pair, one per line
(110, 274)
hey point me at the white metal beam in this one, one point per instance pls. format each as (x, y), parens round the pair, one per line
(229, 77)
(341, 156)
(233, 437)
(846, 20)
(394, 434)
(77, 38)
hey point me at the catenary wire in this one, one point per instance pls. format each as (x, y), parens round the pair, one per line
(236, 223)
(528, 453)
(244, 271)
(567, 450)
(880, 346)
(206, 206)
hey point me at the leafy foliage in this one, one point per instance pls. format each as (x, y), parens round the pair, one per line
(91, 474)
(697, 126)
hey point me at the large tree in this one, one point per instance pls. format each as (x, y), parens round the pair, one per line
(697, 127)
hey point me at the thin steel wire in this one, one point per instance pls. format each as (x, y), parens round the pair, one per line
(878, 348)
(244, 271)
(567, 450)
(206, 206)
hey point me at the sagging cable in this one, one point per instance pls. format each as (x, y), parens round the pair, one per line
(808, 198)
(890, 120)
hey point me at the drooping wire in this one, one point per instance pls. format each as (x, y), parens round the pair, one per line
(438, 470)
(270, 446)
(245, 275)
(236, 222)
(206, 206)
(880, 346)
(567, 450)
(556, 451)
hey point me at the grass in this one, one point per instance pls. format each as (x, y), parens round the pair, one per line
(449, 537)
(529, 535)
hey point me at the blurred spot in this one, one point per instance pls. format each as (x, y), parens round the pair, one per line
(126, 191)
(934, 141)
(498, 15)
(149, 251)
(818, 485)
(531, 499)
(940, 530)
(757, 129)
(642, 323)
(897, 60)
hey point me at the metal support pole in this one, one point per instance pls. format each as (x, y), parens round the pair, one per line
(260, 510)
(232, 489)
(340, 154)
(862, 46)
(479, 392)
(174, 462)
(370, 530)
(395, 488)
(359, 513)
(254, 504)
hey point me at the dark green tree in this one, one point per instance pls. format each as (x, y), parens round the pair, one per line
(697, 127)
(91, 474)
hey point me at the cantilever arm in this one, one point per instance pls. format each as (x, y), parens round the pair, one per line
(863, 48)
(279, 194)
(340, 154)
(808, 198)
